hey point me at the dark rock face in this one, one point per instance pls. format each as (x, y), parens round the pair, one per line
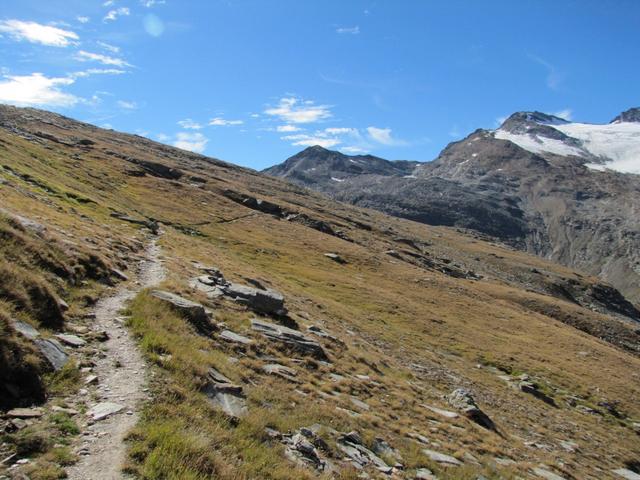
(545, 203)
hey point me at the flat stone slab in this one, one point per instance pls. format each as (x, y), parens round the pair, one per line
(626, 474)
(441, 457)
(290, 337)
(281, 371)
(71, 340)
(546, 474)
(229, 336)
(25, 413)
(26, 330)
(103, 410)
(425, 474)
(193, 311)
(360, 404)
(441, 412)
(53, 352)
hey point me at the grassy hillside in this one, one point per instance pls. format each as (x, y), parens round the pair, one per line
(415, 313)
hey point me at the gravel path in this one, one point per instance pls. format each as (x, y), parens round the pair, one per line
(122, 375)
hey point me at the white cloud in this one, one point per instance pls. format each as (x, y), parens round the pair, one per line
(37, 90)
(565, 114)
(83, 19)
(384, 136)
(115, 13)
(108, 3)
(85, 56)
(311, 140)
(97, 71)
(189, 124)
(37, 33)
(106, 46)
(287, 128)
(151, 3)
(194, 142)
(355, 30)
(353, 150)
(221, 122)
(340, 131)
(127, 105)
(294, 110)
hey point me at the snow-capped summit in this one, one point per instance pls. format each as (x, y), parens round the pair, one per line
(613, 146)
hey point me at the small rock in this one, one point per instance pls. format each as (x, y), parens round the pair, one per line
(91, 379)
(462, 400)
(25, 413)
(546, 474)
(229, 336)
(103, 410)
(441, 412)
(193, 311)
(71, 340)
(424, 474)
(290, 337)
(336, 258)
(26, 330)
(441, 457)
(627, 474)
(53, 352)
(281, 371)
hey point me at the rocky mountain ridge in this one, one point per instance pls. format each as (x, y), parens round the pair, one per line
(561, 190)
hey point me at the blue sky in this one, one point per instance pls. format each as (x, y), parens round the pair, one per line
(255, 81)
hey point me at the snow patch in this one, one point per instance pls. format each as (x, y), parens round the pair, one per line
(538, 144)
(337, 179)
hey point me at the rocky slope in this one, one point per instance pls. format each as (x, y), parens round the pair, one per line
(568, 192)
(293, 337)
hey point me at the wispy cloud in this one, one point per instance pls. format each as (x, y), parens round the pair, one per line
(294, 110)
(384, 136)
(37, 90)
(83, 19)
(97, 71)
(554, 76)
(109, 47)
(113, 15)
(151, 3)
(306, 140)
(355, 30)
(194, 142)
(37, 33)
(287, 128)
(127, 105)
(85, 56)
(189, 124)
(221, 122)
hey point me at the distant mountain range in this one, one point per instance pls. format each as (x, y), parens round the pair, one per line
(566, 191)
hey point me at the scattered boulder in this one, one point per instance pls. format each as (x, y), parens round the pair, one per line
(351, 445)
(441, 412)
(290, 337)
(441, 457)
(103, 410)
(546, 474)
(336, 258)
(281, 371)
(462, 400)
(53, 352)
(305, 448)
(232, 337)
(526, 385)
(224, 394)
(193, 311)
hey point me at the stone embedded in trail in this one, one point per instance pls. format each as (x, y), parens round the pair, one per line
(290, 337)
(193, 311)
(26, 330)
(229, 336)
(53, 352)
(71, 340)
(441, 457)
(461, 399)
(103, 410)
(226, 395)
(24, 413)
(627, 474)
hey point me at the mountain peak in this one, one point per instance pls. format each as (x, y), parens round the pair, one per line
(630, 116)
(523, 118)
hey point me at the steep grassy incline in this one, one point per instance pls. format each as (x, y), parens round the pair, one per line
(404, 313)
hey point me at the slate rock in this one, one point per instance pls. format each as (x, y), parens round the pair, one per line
(229, 336)
(441, 412)
(336, 258)
(424, 474)
(71, 340)
(532, 388)
(281, 371)
(441, 457)
(351, 445)
(462, 400)
(627, 474)
(290, 337)
(224, 394)
(192, 311)
(267, 301)
(25, 413)
(26, 330)
(546, 474)
(53, 352)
